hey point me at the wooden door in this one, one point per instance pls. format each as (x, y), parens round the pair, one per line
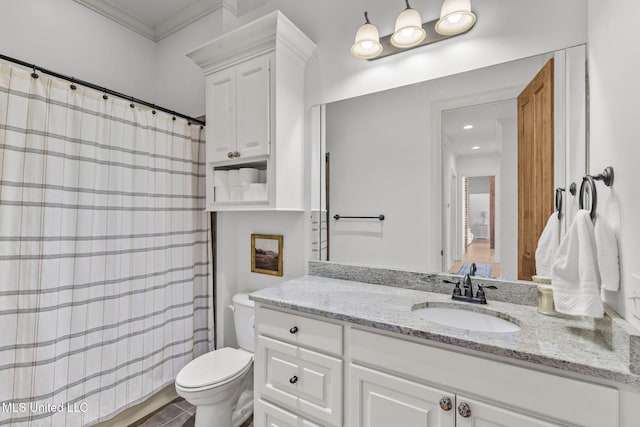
(254, 120)
(221, 115)
(535, 166)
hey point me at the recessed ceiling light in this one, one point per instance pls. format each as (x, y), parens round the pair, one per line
(467, 127)
(475, 147)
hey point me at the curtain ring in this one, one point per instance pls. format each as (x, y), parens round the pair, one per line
(594, 197)
(132, 105)
(73, 86)
(34, 74)
(104, 95)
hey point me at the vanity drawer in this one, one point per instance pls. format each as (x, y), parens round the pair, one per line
(268, 415)
(300, 379)
(300, 330)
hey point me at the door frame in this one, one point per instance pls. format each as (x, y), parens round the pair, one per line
(437, 108)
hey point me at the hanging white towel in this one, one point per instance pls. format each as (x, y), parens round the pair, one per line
(548, 244)
(575, 277)
(607, 253)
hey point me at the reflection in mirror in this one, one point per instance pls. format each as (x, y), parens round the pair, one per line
(405, 153)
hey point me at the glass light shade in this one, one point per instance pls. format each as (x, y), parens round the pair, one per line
(455, 17)
(367, 44)
(408, 31)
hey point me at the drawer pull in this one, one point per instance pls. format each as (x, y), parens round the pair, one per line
(293, 379)
(464, 410)
(445, 404)
(293, 330)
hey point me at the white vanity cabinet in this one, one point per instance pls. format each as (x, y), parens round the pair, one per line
(255, 114)
(482, 392)
(311, 371)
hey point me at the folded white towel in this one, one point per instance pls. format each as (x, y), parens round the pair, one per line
(607, 253)
(575, 277)
(548, 244)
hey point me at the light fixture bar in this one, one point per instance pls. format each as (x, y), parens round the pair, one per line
(432, 37)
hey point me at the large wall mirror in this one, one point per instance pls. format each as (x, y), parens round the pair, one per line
(463, 168)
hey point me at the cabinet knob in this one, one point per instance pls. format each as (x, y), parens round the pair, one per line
(293, 379)
(445, 404)
(236, 154)
(293, 330)
(230, 154)
(464, 410)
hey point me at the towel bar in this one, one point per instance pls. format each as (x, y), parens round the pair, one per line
(337, 217)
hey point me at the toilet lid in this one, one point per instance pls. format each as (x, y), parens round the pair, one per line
(213, 367)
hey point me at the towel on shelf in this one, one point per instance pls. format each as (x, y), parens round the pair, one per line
(575, 276)
(548, 244)
(607, 253)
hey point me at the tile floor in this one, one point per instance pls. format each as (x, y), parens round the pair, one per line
(178, 413)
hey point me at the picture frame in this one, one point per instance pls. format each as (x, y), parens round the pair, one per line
(266, 254)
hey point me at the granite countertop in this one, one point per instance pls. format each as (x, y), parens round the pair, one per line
(571, 344)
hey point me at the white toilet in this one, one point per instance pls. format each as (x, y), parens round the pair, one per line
(220, 383)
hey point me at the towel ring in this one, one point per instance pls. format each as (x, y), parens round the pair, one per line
(594, 196)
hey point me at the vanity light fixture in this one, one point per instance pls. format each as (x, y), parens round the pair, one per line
(408, 31)
(467, 127)
(367, 44)
(455, 18)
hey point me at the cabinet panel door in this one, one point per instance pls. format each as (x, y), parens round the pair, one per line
(221, 115)
(268, 415)
(254, 118)
(486, 415)
(299, 378)
(383, 400)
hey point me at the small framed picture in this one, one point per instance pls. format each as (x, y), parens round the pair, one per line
(266, 254)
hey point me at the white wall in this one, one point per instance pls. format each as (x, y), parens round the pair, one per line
(613, 68)
(64, 36)
(506, 242)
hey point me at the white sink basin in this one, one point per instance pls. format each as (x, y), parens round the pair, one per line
(465, 319)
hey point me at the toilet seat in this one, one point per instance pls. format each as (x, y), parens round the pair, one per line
(214, 368)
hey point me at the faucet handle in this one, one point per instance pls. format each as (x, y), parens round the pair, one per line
(472, 269)
(481, 295)
(456, 290)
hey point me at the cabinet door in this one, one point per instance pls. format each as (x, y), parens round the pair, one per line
(221, 115)
(383, 400)
(299, 378)
(254, 112)
(485, 415)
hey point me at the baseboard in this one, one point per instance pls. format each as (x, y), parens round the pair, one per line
(142, 410)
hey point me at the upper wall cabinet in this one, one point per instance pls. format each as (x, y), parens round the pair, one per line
(255, 115)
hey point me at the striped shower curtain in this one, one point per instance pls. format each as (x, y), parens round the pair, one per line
(104, 252)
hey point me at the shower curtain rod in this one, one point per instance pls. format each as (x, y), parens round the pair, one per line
(99, 88)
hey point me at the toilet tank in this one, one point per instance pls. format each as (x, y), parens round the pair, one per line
(243, 316)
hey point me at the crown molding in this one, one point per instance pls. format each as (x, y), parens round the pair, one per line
(122, 17)
(176, 22)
